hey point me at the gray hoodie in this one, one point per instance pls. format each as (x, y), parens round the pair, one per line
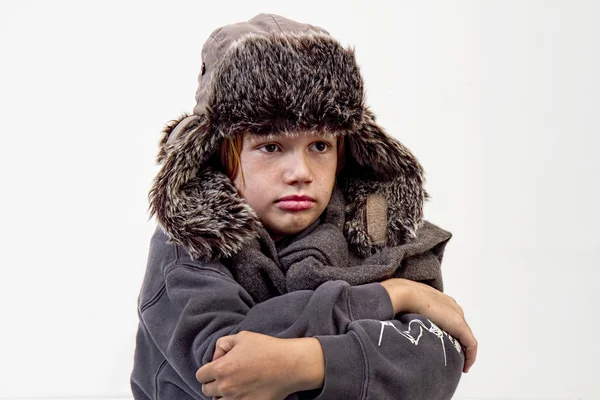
(186, 305)
(256, 77)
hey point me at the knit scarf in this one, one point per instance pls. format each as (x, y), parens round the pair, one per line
(321, 253)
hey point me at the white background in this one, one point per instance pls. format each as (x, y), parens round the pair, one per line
(498, 99)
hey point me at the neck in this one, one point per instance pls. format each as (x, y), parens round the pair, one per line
(276, 237)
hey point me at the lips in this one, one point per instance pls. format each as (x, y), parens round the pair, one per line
(295, 203)
(296, 198)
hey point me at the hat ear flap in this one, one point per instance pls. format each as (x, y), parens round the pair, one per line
(386, 171)
(173, 129)
(385, 156)
(187, 190)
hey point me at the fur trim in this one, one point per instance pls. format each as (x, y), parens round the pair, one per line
(404, 217)
(196, 205)
(286, 82)
(167, 130)
(383, 166)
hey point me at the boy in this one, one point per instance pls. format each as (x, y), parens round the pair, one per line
(290, 235)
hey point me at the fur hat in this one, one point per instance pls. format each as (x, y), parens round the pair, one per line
(272, 75)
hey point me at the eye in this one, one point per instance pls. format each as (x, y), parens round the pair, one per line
(269, 148)
(321, 147)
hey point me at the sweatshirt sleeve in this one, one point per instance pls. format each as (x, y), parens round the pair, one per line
(409, 358)
(200, 304)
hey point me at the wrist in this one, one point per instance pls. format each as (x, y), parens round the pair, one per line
(401, 294)
(307, 364)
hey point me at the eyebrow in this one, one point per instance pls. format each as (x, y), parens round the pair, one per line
(274, 136)
(253, 139)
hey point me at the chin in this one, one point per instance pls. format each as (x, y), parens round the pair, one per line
(291, 228)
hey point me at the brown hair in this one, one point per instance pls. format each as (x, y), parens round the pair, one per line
(231, 149)
(230, 156)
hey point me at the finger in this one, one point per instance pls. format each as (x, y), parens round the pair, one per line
(470, 345)
(223, 346)
(470, 356)
(211, 389)
(219, 352)
(206, 373)
(462, 332)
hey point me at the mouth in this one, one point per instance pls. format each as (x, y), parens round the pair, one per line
(296, 198)
(295, 203)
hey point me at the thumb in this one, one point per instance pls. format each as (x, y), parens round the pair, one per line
(224, 346)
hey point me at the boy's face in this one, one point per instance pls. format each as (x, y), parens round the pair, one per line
(275, 168)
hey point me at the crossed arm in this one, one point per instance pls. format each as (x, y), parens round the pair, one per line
(252, 365)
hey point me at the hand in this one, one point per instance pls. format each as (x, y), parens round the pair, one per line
(255, 366)
(441, 309)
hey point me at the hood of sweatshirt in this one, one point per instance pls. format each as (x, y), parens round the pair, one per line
(271, 75)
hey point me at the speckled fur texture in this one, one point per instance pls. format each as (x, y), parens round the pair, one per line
(285, 84)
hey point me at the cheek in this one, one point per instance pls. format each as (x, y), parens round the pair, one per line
(254, 183)
(238, 183)
(243, 179)
(328, 169)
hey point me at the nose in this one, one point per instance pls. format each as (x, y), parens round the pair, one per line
(297, 169)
